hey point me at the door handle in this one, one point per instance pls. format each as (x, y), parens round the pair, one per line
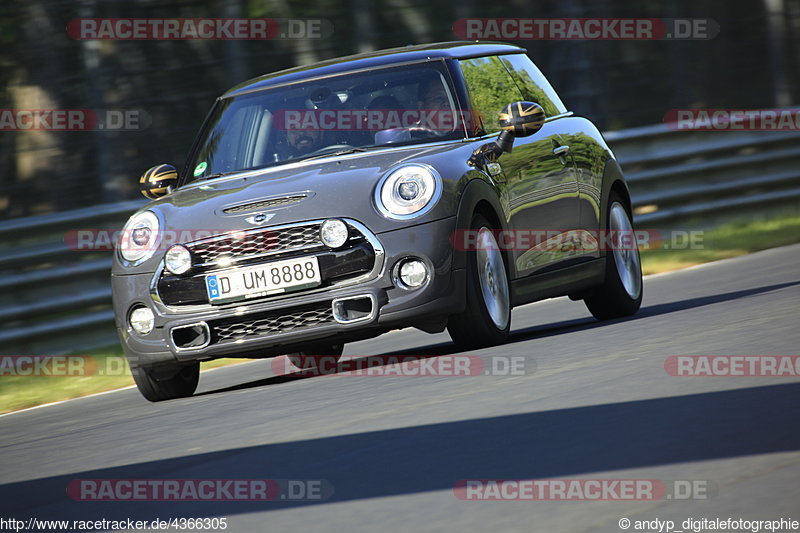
(561, 151)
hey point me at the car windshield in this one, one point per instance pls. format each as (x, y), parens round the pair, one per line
(335, 115)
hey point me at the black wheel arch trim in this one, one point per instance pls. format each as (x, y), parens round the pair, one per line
(613, 178)
(475, 192)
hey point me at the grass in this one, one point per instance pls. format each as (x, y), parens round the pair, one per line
(103, 370)
(729, 240)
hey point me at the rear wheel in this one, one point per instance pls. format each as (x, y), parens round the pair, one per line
(621, 294)
(322, 357)
(486, 319)
(166, 382)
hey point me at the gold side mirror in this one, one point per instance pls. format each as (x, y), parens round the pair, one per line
(522, 118)
(158, 181)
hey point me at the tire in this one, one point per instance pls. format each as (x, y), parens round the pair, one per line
(486, 320)
(318, 356)
(167, 382)
(621, 293)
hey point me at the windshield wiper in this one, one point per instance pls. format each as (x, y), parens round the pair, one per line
(334, 154)
(328, 154)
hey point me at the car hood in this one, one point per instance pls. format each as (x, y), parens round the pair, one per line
(341, 186)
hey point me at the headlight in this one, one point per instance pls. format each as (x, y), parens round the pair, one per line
(408, 191)
(333, 233)
(139, 238)
(178, 259)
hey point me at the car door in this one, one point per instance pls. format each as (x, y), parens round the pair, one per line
(539, 186)
(586, 155)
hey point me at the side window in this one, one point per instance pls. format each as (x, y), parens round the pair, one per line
(491, 88)
(533, 84)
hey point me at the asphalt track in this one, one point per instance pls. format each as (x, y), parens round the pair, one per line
(594, 401)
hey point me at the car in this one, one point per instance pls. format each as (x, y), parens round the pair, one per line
(432, 186)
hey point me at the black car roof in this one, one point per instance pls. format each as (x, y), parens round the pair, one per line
(379, 58)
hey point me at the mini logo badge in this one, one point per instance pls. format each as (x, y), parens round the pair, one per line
(260, 218)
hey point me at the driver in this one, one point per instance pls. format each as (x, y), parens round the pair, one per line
(434, 101)
(309, 139)
(434, 96)
(302, 142)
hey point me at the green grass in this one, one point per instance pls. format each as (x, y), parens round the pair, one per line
(730, 240)
(103, 370)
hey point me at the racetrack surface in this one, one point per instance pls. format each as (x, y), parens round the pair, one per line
(594, 402)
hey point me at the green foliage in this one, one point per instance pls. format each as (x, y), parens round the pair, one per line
(490, 89)
(531, 91)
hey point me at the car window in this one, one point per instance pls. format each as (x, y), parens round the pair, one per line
(533, 85)
(490, 88)
(395, 105)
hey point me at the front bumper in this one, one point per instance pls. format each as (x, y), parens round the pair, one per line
(285, 323)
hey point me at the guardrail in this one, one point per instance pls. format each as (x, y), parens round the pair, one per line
(675, 176)
(57, 300)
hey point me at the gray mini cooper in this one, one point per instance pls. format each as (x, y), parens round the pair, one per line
(433, 186)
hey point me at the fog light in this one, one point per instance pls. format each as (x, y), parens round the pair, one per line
(333, 233)
(178, 259)
(413, 273)
(142, 320)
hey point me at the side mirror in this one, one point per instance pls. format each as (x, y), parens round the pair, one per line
(519, 119)
(158, 181)
(522, 118)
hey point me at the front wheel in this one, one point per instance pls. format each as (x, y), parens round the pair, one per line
(166, 382)
(487, 317)
(621, 293)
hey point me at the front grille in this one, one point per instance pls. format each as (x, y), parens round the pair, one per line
(271, 323)
(260, 246)
(334, 265)
(253, 242)
(264, 204)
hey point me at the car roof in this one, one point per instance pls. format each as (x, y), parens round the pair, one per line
(378, 58)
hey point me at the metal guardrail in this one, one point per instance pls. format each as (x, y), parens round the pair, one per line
(57, 300)
(675, 176)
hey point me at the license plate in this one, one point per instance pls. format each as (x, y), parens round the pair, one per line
(263, 280)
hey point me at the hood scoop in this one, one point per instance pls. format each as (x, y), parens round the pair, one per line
(264, 203)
